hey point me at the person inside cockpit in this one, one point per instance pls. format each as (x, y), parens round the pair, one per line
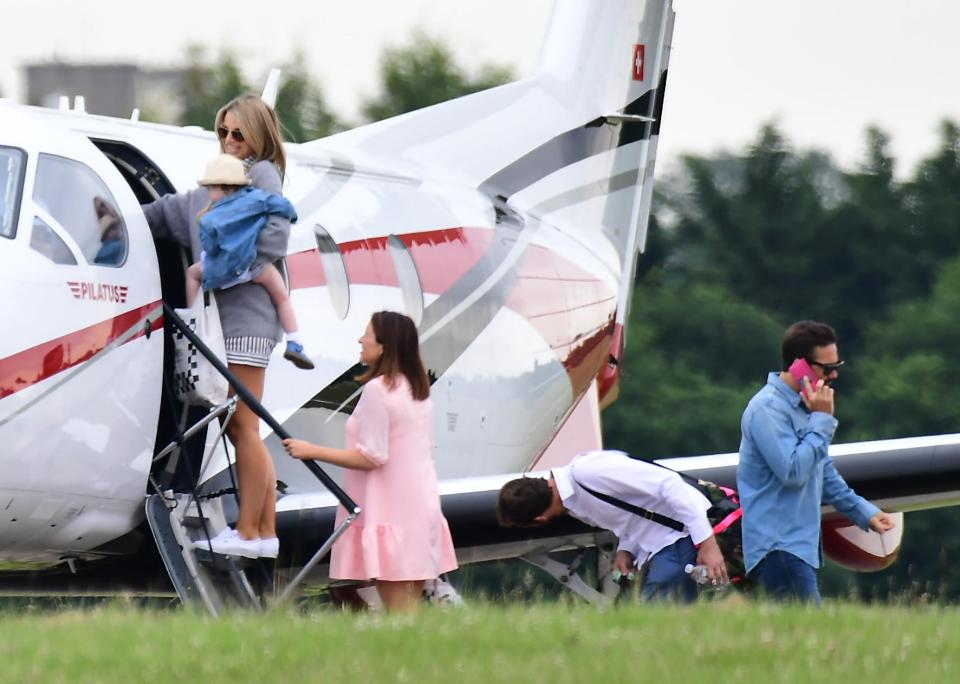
(113, 246)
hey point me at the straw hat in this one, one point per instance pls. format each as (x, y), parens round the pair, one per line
(225, 170)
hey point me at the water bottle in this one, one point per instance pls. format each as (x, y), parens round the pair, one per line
(698, 573)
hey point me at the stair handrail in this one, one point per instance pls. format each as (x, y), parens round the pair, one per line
(349, 504)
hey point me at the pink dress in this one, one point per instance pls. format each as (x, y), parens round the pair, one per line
(401, 535)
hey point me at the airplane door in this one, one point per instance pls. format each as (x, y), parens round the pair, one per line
(80, 368)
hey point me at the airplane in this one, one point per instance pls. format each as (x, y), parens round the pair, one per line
(506, 223)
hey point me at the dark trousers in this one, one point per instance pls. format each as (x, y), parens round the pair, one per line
(665, 578)
(785, 577)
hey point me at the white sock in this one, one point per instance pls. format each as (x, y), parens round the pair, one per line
(294, 337)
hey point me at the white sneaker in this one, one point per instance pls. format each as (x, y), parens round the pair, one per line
(269, 547)
(440, 591)
(229, 543)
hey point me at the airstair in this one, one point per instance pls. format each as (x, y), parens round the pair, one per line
(184, 518)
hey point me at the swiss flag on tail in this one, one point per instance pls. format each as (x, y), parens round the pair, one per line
(638, 60)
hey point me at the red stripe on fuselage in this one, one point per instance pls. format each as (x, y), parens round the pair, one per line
(568, 306)
(30, 366)
(441, 256)
(571, 309)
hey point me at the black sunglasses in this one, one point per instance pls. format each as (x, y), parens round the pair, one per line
(827, 367)
(235, 134)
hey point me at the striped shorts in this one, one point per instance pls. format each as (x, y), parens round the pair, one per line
(249, 351)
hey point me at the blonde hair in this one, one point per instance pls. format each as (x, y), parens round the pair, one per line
(259, 126)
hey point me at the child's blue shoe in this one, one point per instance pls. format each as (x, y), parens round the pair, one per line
(295, 355)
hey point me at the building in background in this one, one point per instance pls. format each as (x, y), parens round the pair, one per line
(109, 89)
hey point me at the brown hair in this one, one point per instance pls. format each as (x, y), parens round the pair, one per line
(522, 500)
(401, 353)
(802, 338)
(259, 126)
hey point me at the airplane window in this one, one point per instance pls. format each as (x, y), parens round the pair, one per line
(44, 240)
(408, 277)
(12, 164)
(81, 202)
(334, 271)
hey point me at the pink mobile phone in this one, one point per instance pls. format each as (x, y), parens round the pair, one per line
(800, 369)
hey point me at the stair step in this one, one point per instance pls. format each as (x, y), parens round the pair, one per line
(213, 581)
(204, 555)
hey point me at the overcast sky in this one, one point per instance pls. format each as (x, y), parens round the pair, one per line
(823, 69)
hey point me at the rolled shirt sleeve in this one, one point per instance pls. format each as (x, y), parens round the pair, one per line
(373, 424)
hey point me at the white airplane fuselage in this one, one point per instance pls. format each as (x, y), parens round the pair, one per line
(516, 320)
(506, 223)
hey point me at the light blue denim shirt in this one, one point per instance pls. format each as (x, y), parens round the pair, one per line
(785, 473)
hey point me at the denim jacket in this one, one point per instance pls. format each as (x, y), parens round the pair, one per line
(229, 230)
(246, 310)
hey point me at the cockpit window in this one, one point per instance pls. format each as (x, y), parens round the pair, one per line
(45, 240)
(78, 200)
(12, 165)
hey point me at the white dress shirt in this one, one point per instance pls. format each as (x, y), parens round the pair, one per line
(642, 484)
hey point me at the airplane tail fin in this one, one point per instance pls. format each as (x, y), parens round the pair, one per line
(574, 145)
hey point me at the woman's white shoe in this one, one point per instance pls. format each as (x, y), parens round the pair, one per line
(269, 547)
(229, 543)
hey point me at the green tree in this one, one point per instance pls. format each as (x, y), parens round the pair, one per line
(934, 204)
(907, 379)
(423, 73)
(868, 279)
(757, 224)
(800, 238)
(751, 241)
(301, 108)
(207, 88)
(797, 238)
(694, 357)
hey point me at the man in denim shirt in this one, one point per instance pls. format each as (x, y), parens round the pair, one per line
(785, 471)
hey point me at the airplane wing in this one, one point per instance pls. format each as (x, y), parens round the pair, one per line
(898, 475)
(507, 222)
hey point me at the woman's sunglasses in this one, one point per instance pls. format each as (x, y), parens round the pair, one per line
(235, 134)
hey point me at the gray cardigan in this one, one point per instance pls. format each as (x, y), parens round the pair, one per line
(246, 309)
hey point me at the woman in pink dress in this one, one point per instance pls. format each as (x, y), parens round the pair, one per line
(401, 538)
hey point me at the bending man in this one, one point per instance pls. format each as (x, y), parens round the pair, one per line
(595, 487)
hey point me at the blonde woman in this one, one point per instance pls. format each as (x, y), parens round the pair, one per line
(248, 130)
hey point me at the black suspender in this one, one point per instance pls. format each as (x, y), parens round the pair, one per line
(630, 508)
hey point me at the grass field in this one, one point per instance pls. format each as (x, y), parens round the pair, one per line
(523, 644)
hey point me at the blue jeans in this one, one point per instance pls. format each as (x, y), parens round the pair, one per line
(665, 578)
(785, 577)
